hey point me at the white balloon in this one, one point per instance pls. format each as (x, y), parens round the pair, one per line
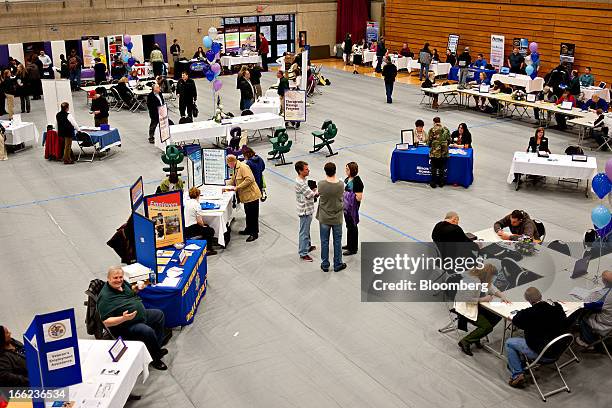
(212, 33)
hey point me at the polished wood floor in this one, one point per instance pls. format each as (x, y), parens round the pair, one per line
(337, 63)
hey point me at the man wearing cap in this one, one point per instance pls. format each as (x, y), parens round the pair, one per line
(464, 60)
(439, 137)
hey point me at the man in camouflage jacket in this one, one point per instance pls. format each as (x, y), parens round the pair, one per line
(439, 138)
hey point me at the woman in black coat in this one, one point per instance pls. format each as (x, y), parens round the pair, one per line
(538, 142)
(247, 91)
(462, 137)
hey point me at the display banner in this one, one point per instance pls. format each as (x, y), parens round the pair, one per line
(522, 44)
(220, 39)
(215, 167)
(89, 45)
(232, 39)
(144, 242)
(137, 193)
(371, 31)
(166, 212)
(164, 123)
(248, 37)
(52, 351)
(453, 43)
(497, 50)
(295, 106)
(195, 176)
(115, 42)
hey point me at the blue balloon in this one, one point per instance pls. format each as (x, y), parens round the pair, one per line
(126, 58)
(210, 55)
(603, 232)
(207, 42)
(601, 185)
(210, 76)
(600, 216)
(529, 69)
(216, 47)
(130, 46)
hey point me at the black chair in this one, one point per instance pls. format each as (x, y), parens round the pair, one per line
(589, 237)
(84, 141)
(541, 229)
(570, 151)
(93, 321)
(510, 271)
(560, 246)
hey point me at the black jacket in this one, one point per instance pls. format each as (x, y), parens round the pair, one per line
(153, 103)
(389, 72)
(99, 72)
(64, 127)
(451, 59)
(466, 57)
(100, 104)
(246, 90)
(452, 241)
(381, 50)
(13, 369)
(541, 323)
(255, 75)
(533, 147)
(465, 140)
(348, 45)
(187, 89)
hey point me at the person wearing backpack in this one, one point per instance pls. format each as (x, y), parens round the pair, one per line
(74, 69)
(425, 61)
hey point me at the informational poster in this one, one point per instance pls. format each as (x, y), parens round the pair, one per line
(295, 106)
(215, 167)
(89, 46)
(232, 39)
(522, 44)
(497, 50)
(453, 43)
(137, 193)
(566, 54)
(164, 123)
(195, 176)
(371, 31)
(166, 212)
(115, 42)
(248, 37)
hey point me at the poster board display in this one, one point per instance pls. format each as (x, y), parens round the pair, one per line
(371, 31)
(497, 50)
(89, 46)
(295, 106)
(453, 43)
(214, 166)
(232, 39)
(144, 242)
(115, 42)
(248, 37)
(522, 44)
(166, 212)
(55, 92)
(137, 193)
(164, 123)
(566, 54)
(195, 175)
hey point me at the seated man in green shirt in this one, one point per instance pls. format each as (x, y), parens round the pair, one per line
(587, 79)
(124, 315)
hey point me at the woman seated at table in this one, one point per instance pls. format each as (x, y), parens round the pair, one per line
(420, 136)
(560, 117)
(194, 223)
(480, 100)
(546, 95)
(461, 138)
(469, 305)
(430, 82)
(124, 91)
(499, 87)
(199, 54)
(538, 142)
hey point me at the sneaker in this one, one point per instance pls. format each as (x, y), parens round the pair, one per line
(344, 246)
(517, 382)
(151, 140)
(306, 258)
(211, 252)
(342, 267)
(325, 269)
(312, 248)
(348, 253)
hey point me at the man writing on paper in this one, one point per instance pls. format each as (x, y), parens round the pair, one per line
(124, 314)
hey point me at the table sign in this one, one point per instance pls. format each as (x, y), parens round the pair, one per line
(117, 350)
(182, 256)
(402, 146)
(214, 166)
(195, 177)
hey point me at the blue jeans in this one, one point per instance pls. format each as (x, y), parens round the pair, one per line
(75, 78)
(324, 230)
(515, 346)
(423, 72)
(389, 90)
(304, 235)
(150, 332)
(463, 76)
(246, 104)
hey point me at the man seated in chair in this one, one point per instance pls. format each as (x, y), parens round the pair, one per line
(519, 224)
(595, 318)
(541, 323)
(124, 314)
(450, 238)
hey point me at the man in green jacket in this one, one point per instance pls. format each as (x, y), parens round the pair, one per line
(439, 137)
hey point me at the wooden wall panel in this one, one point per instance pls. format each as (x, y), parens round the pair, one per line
(547, 22)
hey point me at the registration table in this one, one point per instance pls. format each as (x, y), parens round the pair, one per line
(413, 165)
(103, 139)
(524, 81)
(178, 294)
(106, 383)
(229, 61)
(18, 133)
(208, 131)
(557, 165)
(267, 104)
(266, 120)
(217, 218)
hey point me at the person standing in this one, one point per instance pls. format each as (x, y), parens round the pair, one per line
(74, 69)
(64, 71)
(154, 100)
(305, 195)
(425, 61)
(464, 60)
(66, 127)
(329, 214)
(100, 109)
(283, 86)
(247, 92)
(516, 61)
(34, 73)
(157, 60)
(263, 50)
(353, 194)
(99, 71)
(10, 89)
(255, 71)
(2, 95)
(389, 72)
(257, 166)
(23, 88)
(381, 51)
(347, 49)
(175, 51)
(438, 140)
(188, 94)
(47, 65)
(248, 193)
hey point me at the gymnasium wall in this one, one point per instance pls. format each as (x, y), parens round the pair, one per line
(181, 19)
(547, 22)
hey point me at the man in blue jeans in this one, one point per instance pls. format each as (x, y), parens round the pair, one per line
(122, 311)
(305, 197)
(389, 72)
(541, 323)
(330, 214)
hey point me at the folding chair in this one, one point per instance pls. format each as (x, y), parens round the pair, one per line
(119, 103)
(83, 141)
(564, 342)
(570, 151)
(602, 340)
(541, 229)
(605, 133)
(248, 112)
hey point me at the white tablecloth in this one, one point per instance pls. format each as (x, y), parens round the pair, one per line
(272, 92)
(269, 104)
(218, 219)
(440, 68)
(254, 122)
(369, 56)
(20, 133)
(595, 90)
(113, 390)
(557, 165)
(525, 81)
(228, 61)
(208, 130)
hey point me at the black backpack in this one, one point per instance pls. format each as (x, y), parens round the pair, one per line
(93, 322)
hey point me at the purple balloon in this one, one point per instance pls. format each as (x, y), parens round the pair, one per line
(216, 68)
(609, 169)
(127, 39)
(131, 61)
(533, 47)
(210, 55)
(217, 85)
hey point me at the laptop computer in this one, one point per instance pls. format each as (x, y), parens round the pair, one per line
(566, 105)
(484, 88)
(531, 97)
(602, 85)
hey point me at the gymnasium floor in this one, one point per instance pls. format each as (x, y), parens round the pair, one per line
(274, 331)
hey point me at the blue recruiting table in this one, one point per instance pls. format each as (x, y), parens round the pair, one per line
(413, 165)
(180, 303)
(474, 75)
(105, 139)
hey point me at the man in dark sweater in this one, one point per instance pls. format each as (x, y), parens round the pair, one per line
(542, 322)
(519, 224)
(13, 369)
(450, 238)
(464, 60)
(389, 72)
(100, 109)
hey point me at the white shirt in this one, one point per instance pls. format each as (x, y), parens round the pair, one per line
(73, 122)
(192, 206)
(46, 61)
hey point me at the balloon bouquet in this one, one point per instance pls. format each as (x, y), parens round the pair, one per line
(532, 60)
(126, 51)
(600, 215)
(213, 69)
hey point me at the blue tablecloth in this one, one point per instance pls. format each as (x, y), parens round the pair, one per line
(180, 303)
(474, 75)
(105, 138)
(413, 165)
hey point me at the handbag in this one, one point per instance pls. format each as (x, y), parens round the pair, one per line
(195, 110)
